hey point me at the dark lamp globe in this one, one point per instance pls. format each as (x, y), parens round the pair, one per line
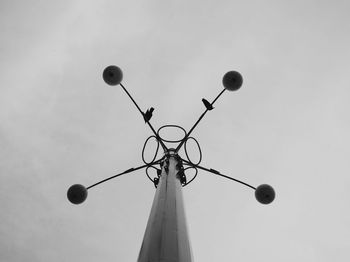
(77, 194)
(112, 75)
(232, 80)
(265, 194)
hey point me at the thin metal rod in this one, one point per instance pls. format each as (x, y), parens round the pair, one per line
(216, 98)
(157, 137)
(132, 99)
(199, 119)
(215, 172)
(123, 173)
(149, 124)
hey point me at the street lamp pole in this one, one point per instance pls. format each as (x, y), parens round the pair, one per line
(166, 238)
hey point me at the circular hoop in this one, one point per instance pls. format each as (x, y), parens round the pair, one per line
(149, 177)
(193, 176)
(143, 150)
(172, 126)
(199, 149)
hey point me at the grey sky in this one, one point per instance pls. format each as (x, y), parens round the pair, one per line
(287, 126)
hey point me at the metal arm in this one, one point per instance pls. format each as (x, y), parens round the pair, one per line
(125, 172)
(215, 172)
(149, 124)
(199, 119)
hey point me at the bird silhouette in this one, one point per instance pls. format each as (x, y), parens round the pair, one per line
(148, 115)
(207, 104)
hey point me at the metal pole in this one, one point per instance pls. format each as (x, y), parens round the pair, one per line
(166, 238)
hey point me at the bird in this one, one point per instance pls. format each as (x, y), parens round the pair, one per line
(207, 104)
(148, 115)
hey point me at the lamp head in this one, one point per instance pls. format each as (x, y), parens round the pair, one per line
(265, 194)
(77, 194)
(232, 80)
(112, 75)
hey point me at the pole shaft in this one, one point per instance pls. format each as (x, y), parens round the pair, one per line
(166, 237)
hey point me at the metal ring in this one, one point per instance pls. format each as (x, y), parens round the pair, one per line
(148, 174)
(143, 150)
(199, 149)
(193, 176)
(171, 126)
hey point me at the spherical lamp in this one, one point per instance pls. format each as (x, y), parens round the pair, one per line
(265, 194)
(77, 194)
(232, 80)
(112, 75)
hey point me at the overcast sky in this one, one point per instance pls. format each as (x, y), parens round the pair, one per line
(288, 126)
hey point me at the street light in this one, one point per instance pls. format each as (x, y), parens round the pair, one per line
(166, 237)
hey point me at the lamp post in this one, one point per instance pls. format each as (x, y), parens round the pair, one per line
(166, 238)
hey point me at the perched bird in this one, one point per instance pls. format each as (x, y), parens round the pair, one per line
(148, 115)
(207, 104)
